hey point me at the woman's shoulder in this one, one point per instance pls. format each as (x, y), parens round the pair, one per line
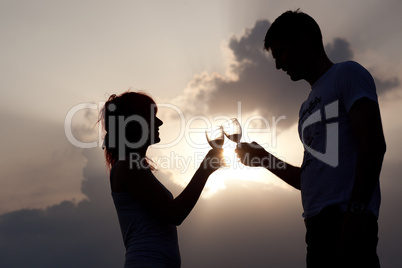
(128, 176)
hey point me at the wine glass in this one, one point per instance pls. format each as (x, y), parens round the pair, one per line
(215, 137)
(232, 130)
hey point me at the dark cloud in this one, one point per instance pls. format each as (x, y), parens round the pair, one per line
(35, 157)
(339, 50)
(67, 234)
(222, 231)
(386, 85)
(249, 224)
(258, 85)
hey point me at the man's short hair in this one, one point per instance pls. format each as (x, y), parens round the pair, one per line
(291, 26)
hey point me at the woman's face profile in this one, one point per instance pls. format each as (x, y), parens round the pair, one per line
(154, 126)
(143, 128)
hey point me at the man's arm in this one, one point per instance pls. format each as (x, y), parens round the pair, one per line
(252, 154)
(366, 123)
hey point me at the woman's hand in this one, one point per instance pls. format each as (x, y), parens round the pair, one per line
(213, 160)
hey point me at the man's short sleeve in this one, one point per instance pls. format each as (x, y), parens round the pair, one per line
(355, 82)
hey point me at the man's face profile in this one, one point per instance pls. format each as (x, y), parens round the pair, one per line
(289, 58)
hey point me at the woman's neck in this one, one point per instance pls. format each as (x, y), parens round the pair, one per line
(138, 152)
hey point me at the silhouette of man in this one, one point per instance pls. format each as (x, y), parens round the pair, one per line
(341, 130)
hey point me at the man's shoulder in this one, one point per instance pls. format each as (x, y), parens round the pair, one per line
(351, 73)
(350, 67)
(339, 72)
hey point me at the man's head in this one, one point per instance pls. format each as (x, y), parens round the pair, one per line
(295, 39)
(293, 27)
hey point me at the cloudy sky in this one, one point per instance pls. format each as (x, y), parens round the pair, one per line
(202, 61)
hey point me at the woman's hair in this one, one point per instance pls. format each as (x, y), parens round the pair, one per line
(123, 117)
(291, 26)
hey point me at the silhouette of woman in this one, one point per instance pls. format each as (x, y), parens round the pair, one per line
(147, 212)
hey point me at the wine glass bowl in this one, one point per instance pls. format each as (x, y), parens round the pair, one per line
(232, 130)
(215, 137)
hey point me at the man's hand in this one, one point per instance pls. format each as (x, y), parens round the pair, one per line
(252, 154)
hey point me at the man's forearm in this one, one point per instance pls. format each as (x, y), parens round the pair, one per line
(366, 122)
(368, 170)
(288, 173)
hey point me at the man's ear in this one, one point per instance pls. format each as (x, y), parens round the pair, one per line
(303, 41)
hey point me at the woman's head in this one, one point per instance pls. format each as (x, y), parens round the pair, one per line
(130, 123)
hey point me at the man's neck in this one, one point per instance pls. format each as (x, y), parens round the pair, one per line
(319, 67)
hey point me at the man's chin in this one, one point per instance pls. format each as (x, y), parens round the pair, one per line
(295, 78)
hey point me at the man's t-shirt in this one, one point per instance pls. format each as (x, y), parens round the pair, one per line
(329, 162)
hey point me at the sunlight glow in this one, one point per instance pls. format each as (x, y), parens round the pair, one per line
(288, 148)
(182, 160)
